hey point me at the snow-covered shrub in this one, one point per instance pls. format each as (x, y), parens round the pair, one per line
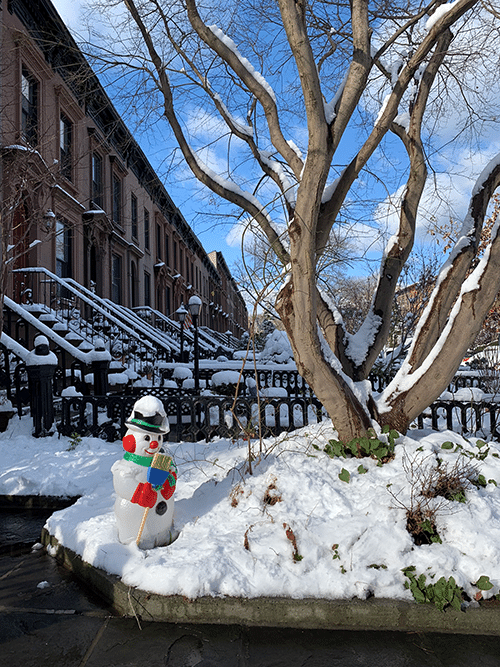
(170, 384)
(225, 382)
(277, 349)
(274, 392)
(182, 373)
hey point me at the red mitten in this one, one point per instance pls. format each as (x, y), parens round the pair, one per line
(168, 488)
(144, 495)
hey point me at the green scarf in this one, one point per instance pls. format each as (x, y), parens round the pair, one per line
(140, 460)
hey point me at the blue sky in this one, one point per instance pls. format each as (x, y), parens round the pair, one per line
(454, 172)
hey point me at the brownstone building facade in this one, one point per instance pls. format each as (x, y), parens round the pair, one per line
(79, 195)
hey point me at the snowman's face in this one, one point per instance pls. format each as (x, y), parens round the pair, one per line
(142, 442)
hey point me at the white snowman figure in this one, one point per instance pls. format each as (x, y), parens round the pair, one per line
(142, 490)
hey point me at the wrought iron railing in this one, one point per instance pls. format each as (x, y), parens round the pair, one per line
(472, 418)
(72, 312)
(207, 339)
(191, 418)
(195, 418)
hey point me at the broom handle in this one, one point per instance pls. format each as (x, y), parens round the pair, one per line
(146, 510)
(141, 528)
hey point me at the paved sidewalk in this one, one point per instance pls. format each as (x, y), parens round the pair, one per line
(62, 625)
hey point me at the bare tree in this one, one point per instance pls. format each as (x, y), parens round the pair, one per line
(358, 72)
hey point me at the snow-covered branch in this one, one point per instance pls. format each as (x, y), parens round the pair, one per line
(225, 48)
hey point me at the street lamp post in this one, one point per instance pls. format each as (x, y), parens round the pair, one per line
(181, 313)
(194, 306)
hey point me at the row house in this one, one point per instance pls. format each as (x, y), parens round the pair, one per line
(79, 196)
(226, 305)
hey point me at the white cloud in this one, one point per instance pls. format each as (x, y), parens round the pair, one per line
(446, 195)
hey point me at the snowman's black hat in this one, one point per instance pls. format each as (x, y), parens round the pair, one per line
(156, 423)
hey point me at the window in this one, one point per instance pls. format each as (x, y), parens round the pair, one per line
(65, 146)
(116, 279)
(167, 254)
(64, 248)
(133, 215)
(29, 107)
(175, 255)
(146, 229)
(158, 241)
(97, 189)
(117, 200)
(134, 296)
(147, 289)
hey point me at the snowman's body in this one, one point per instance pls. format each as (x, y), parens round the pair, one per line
(134, 494)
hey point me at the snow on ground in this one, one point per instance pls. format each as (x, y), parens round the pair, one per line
(236, 529)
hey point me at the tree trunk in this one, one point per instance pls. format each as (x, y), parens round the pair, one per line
(331, 387)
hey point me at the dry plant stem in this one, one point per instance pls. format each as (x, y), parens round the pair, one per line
(432, 486)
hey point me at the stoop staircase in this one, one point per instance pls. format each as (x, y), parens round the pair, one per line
(75, 319)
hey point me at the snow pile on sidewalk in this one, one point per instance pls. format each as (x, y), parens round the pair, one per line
(291, 528)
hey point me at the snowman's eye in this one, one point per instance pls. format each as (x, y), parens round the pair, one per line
(147, 438)
(159, 438)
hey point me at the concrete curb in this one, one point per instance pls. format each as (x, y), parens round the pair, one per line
(317, 614)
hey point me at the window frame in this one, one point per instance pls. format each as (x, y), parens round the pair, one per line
(134, 215)
(66, 134)
(117, 197)
(147, 226)
(30, 106)
(97, 184)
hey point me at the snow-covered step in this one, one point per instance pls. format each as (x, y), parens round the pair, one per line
(61, 328)
(73, 338)
(48, 319)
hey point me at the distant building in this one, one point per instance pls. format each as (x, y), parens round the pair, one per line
(78, 192)
(226, 303)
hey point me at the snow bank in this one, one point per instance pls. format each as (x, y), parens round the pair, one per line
(236, 528)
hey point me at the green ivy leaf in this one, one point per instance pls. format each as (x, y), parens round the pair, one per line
(362, 470)
(484, 583)
(481, 480)
(456, 602)
(344, 476)
(447, 445)
(418, 595)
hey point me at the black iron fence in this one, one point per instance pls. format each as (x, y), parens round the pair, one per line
(205, 417)
(481, 418)
(191, 418)
(195, 418)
